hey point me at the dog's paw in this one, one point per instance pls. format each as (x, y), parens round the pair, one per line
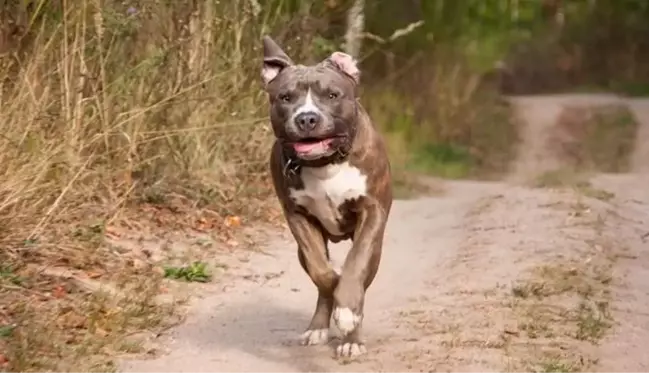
(350, 349)
(346, 320)
(315, 337)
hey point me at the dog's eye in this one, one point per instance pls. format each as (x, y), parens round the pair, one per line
(285, 97)
(333, 95)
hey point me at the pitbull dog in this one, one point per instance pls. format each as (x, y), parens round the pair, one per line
(331, 173)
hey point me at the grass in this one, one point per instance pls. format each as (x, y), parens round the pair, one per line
(110, 117)
(195, 272)
(593, 321)
(450, 128)
(569, 178)
(631, 89)
(7, 273)
(6, 331)
(587, 140)
(557, 279)
(560, 178)
(558, 365)
(564, 303)
(595, 138)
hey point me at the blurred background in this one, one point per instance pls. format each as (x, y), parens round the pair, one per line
(107, 105)
(129, 97)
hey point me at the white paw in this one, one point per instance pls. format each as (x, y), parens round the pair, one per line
(350, 350)
(346, 320)
(315, 337)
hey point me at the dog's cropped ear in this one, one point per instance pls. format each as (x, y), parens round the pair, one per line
(274, 60)
(347, 64)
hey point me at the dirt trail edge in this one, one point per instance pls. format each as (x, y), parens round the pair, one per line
(456, 289)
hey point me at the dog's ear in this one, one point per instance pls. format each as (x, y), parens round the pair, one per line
(274, 60)
(347, 64)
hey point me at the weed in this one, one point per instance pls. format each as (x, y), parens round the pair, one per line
(560, 178)
(558, 365)
(536, 329)
(195, 272)
(566, 300)
(592, 321)
(6, 273)
(6, 330)
(588, 190)
(552, 280)
(570, 178)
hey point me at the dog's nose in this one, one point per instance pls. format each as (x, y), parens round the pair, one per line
(307, 121)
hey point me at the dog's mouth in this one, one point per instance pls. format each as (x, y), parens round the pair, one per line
(312, 146)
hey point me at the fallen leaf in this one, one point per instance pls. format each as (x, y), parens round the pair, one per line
(101, 332)
(59, 292)
(232, 221)
(94, 274)
(71, 320)
(3, 360)
(111, 231)
(232, 243)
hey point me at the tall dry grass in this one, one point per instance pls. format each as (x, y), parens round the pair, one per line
(104, 105)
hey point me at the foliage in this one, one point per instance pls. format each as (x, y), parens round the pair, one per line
(195, 272)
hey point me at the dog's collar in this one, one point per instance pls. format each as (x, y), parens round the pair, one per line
(291, 165)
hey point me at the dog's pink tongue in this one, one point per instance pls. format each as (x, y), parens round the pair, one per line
(310, 147)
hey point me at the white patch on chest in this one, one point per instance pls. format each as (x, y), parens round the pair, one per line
(326, 188)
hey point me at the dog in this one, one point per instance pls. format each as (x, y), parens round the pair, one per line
(331, 174)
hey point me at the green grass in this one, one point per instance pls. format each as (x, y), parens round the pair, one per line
(443, 160)
(7, 273)
(558, 365)
(6, 331)
(631, 88)
(474, 139)
(195, 272)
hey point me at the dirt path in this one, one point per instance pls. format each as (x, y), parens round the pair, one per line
(255, 326)
(443, 297)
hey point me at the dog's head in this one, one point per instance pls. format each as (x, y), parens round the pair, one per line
(313, 109)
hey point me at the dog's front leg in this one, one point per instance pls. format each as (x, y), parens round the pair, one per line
(312, 253)
(358, 272)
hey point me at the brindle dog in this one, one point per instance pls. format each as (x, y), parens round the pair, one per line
(331, 173)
